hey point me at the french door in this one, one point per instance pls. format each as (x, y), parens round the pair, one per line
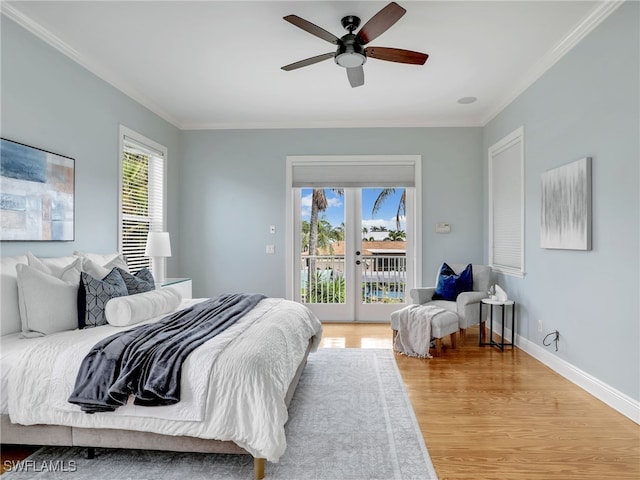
(351, 263)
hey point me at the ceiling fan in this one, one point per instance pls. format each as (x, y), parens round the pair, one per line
(351, 52)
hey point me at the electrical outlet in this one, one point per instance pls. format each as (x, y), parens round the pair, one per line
(540, 325)
(270, 249)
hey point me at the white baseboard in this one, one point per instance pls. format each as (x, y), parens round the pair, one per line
(617, 400)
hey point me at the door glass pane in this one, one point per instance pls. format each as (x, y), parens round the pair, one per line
(383, 262)
(322, 266)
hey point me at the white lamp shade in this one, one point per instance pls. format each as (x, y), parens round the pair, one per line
(158, 245)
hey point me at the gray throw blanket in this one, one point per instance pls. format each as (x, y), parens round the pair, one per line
(146, 361)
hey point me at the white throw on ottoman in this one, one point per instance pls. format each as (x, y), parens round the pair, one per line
(442, 324)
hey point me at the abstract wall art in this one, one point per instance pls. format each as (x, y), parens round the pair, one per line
(565, 216)
(37, 191)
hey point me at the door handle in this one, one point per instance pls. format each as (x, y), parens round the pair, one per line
(358, 252)
(357, 262)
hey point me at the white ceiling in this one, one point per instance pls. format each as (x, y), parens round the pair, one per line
(211, 64)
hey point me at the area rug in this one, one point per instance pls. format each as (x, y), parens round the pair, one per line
(350, 419)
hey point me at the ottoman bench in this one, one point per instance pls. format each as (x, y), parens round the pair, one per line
(442, 324)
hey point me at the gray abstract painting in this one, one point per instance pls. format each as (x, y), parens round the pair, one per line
(36, 194)
(565, 216)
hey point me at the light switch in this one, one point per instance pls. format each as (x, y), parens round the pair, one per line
(272, 229)
(271, 249)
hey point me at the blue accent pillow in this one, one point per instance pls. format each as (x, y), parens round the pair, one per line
(93, 295)
(450, 284)
(141, 282)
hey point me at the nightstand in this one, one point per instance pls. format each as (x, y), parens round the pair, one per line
(182, 285)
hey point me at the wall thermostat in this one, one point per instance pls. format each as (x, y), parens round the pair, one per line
(443, 227)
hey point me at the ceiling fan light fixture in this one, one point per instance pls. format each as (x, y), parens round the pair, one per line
(352, 53)
(350, 59)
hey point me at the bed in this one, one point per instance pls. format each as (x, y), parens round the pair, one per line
(235, 388)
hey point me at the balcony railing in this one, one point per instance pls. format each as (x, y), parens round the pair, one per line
(382, 278)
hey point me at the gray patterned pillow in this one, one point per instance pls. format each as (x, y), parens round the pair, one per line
(94, 294)
(141, 282)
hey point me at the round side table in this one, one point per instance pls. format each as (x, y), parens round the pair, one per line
(503, 305)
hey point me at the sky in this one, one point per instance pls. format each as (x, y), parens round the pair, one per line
(334, 213)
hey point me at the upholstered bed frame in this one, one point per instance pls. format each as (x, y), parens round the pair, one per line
(57, 435)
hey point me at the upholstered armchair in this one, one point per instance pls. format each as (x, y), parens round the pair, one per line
(466, 304)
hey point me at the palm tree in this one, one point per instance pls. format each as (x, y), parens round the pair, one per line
(327, 234)
(319, 203)
(337, 233)
(395, 235)
(304, 240)
(386, 193)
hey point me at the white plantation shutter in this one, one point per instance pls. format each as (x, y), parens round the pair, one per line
(506, 204)
(142, 195)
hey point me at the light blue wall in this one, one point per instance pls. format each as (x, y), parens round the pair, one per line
(233, 188)
(50, 102)
(226, 187)
(586, 105)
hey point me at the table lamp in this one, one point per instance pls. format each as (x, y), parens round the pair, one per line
(158, 247)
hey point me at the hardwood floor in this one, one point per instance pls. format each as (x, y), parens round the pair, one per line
(486, 414)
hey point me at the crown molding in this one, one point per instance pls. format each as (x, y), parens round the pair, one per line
(45, 35)
(575, 36)
(580, 31)
(327, 124)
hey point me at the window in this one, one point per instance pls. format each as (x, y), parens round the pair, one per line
(142, 197)
(506, 204)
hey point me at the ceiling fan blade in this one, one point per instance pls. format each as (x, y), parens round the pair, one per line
(356, 76)
(309, 27)
(308, 61)
(380, 22)
(396, 55)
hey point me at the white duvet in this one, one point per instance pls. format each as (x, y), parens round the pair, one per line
(233, 387)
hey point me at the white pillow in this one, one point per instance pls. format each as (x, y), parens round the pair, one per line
(132, 309)
(94, 269)
(107, 260)
(9, 303)
(52, 265)
(57, 267)
(47, 304)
